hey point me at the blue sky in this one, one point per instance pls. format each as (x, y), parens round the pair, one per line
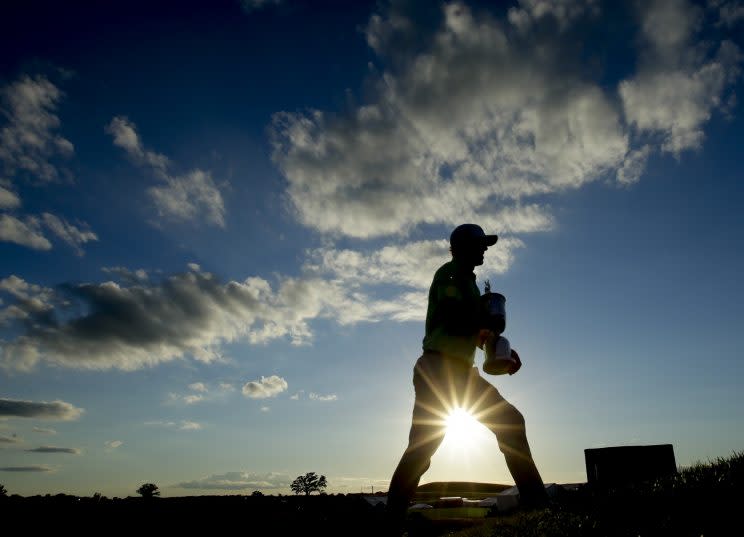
(219, 222)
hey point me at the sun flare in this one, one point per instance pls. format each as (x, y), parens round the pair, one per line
(462, 428)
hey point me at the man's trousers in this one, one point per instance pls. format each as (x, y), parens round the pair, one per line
(442, 384)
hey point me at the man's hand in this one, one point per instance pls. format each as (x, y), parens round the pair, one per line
(483, 336)
(513, 369)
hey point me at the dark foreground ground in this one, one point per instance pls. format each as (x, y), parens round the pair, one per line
(705, 500)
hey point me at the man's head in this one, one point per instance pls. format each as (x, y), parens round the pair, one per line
(468, 243)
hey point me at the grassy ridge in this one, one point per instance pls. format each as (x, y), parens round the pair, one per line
(464, 489)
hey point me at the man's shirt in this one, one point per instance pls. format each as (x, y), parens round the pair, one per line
(454, 315)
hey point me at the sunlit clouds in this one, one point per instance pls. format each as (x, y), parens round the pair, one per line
(409, 265)
(485, 117)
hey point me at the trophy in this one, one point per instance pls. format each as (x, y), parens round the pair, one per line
(498, 351)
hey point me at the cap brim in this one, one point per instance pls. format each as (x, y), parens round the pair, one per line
(490, 240)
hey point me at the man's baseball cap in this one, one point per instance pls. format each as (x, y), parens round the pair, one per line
(471, 234)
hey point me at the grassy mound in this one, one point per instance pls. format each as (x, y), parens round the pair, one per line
(703, 499)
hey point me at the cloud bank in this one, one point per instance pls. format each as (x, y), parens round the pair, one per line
(239, 481)
(33, 468)
(483, 116)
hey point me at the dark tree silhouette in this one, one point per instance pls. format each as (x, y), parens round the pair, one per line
(3, 491)
(308, 483)
(257, 493)
(148, 490)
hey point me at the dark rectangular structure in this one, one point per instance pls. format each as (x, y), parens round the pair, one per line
(624, 465)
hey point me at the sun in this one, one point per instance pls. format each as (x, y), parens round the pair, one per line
(462, 429)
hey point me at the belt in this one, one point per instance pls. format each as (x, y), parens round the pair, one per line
(452, 357)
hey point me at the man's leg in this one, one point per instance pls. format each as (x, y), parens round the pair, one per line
(507, 423)
(426, 434)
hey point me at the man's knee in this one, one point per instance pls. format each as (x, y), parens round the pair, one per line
(510, 430)
(513, 417)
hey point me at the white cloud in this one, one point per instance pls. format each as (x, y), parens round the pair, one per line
(113, 444)
(265, 409)
(461, 131)
(412, 264)
(679, 84)
(54, 410)
(239, 481)
(24, 233)
(189, 197)
(44, 430)
(188, 399)
(192, 197)
(28, 139)
(318, 397)
(226, 387)
(635, 163)
(198, 387)
(297, 395)
(475, 119)
(29, 232)
(186, 425)
(70, 234)
(266, 387)
(183, 425)
(9, 199)
(125, 136)
(31, 300)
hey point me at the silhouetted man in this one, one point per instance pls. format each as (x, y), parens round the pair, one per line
(445, 378)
